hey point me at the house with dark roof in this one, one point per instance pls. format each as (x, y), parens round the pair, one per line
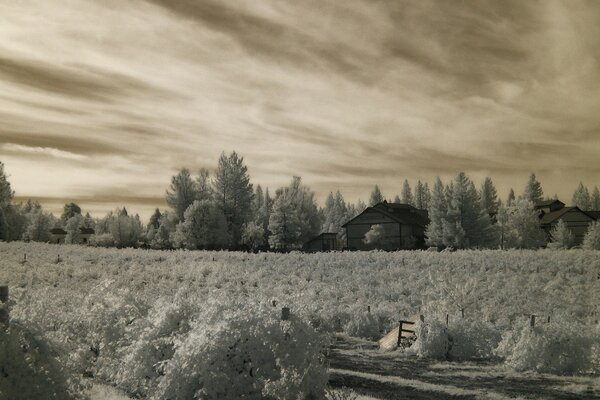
(402, 226)
(552, 211)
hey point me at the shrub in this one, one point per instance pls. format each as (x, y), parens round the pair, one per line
(249, 355)
(30, 369)
(462, 340)
(364, 325)
(555, 348)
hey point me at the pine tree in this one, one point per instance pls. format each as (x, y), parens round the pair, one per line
(595, 200)
(466, 224)
(407, 196)
(155, 219)
(305, 206)
(376, 197)
(397, 199)
(203, 189)
(335, 213)
(591, 240)
(437, 212)
(489, 197)
(581, 198)
(561, 236)
(284, 225)
(233, 193)
(420, 196)
(533, 190)
(510, 200)
(182, 192)
(6, 192)
(360, 207)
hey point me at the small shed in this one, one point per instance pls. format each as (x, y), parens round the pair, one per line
(57, 235)
(85, 234)
(326, 241)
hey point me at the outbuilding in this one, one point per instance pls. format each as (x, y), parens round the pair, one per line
(399, 226)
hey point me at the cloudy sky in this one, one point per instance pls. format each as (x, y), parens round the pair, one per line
(101, 101)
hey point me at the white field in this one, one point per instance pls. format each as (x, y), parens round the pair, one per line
(95, 305)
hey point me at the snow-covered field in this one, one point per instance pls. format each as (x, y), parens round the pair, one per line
(180, 324)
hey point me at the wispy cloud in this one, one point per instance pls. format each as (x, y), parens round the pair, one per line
(97, 95)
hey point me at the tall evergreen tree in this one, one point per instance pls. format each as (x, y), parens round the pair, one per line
(466, 224)
(581, 197)
(303, 200)
(6, 192)
(533, 189)
(420, 199)
(511, 198)
(595, 199)
(397, 199)
(155, 219)
(407, 196)
(284, 225)
(437, 212)
(233, 193)
(489, 197)
(181, 193)
(376, 196)
(203, 189)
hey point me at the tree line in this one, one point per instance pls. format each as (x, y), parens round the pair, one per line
(224, 210)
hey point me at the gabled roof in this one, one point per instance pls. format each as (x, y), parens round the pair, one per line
(401, 213)
(548, 218)
(58, 231)
(594, 214)
(87, 231)
(547, 203)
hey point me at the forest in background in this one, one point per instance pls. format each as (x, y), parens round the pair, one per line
(224, 210)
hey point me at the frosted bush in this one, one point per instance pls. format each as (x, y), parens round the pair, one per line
(364, 325)
(432, 340)
(248, 355)
(102, 240)
(557, 348)
(145, 359)
(30, 369)
(461, 340)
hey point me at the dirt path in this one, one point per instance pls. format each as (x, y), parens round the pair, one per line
(360, 366)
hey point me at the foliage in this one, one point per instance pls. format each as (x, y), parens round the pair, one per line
(181, 193)
(533, 189)
(591, 240)
(558, 348)
(522, 228)
(376, 197)
(203, 227)
(561, 236)
(253, 235)
(233, 193)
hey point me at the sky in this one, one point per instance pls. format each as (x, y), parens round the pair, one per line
(102, 101)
